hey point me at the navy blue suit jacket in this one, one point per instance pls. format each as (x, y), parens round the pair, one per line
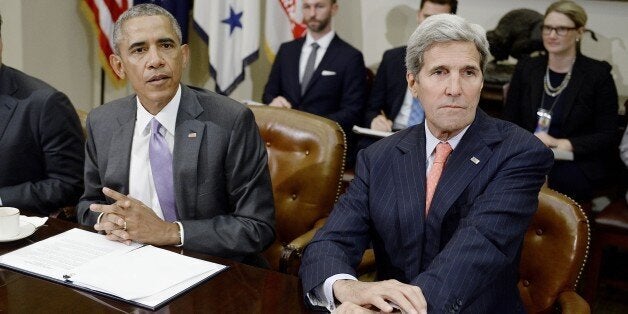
(465, 254)
(340, 96)
(389, 86)
(41, 145)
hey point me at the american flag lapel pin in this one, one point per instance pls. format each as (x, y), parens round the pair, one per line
(192, 135)
(475, 160)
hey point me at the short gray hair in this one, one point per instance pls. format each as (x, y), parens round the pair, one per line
(145, 9)
(442, 28)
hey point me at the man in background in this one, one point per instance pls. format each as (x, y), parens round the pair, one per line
(174, 165)
(320, 73)
(41, 144)
(444, 204)
(391, 105)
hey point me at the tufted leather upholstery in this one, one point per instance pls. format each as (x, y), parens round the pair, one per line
(306, 161)
(554, 252)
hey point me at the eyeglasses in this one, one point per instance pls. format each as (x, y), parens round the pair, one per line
(560, 30)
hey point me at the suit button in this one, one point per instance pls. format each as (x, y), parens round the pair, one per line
(539, 231)
(294, 196)
(459, 302)
(526, 283)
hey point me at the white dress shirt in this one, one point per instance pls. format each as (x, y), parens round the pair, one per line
(323, 43)
(401, 120)
(323, 295)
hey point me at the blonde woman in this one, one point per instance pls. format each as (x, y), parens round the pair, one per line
(568, 100)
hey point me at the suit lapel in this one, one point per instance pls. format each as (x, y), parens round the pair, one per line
(536, 90)
(409, 173)
(119, 157)
(463, 165)
(7, 108)
(187, 143)
(571, 92)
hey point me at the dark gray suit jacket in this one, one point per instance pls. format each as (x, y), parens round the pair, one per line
(41, 145)
(222, 183)
(465, 254)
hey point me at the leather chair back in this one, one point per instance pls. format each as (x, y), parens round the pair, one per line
(306, 160)
(554, 252)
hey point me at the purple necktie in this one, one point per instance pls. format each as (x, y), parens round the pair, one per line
(161, 167)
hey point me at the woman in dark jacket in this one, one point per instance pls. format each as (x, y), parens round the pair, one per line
(569, 101)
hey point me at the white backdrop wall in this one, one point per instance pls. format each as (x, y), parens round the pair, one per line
(52, 40)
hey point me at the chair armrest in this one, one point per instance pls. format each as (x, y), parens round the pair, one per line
(291, 253)
(571, 302)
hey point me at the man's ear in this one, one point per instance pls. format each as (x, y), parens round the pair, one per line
(185, 55)
(116, 64)
(411, 80)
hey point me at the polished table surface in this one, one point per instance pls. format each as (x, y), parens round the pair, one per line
(238, 289)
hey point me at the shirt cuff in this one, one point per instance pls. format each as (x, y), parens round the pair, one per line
(323, 294)
(181, 233)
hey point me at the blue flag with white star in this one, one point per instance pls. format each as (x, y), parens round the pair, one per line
(231, 30)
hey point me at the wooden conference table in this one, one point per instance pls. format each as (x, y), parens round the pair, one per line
(239, 289)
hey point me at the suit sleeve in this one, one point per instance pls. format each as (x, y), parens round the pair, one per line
(93, 186)
(377, 98)
(353, 97)
(249, 227)
(273, 85)
(603, 115)
(488, 240)
(338, 247)
(61, 141)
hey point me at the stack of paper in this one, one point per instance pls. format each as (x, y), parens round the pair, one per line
(143, 274)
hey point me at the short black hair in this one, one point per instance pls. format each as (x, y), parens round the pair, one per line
(453, 4)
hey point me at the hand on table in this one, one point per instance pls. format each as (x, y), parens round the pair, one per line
(380, 294)
(552, 142)
(280, 101)
(129, 220)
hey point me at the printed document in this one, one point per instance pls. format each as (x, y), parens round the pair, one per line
(143, 274)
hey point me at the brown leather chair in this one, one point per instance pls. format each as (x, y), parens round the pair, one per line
(306, 160)
(553, 256)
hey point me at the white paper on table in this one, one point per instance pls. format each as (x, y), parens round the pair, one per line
(140, 273)
(371, 132)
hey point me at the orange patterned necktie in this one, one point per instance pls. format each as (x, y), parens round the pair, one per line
(440, 157)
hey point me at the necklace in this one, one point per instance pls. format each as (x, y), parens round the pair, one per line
(555, 91)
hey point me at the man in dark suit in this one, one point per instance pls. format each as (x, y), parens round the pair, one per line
(334, 85)
(390, 94)
(174, 165)
(41, 144)
(446, 226)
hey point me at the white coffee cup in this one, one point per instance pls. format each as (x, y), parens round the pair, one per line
(9, 222)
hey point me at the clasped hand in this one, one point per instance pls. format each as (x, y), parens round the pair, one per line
(128, 220)
(360, 297)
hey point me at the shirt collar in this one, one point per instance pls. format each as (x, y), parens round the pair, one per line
(323, 42)
(167, 117)
(431, 141)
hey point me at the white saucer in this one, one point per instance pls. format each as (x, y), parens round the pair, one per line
(26, 229)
